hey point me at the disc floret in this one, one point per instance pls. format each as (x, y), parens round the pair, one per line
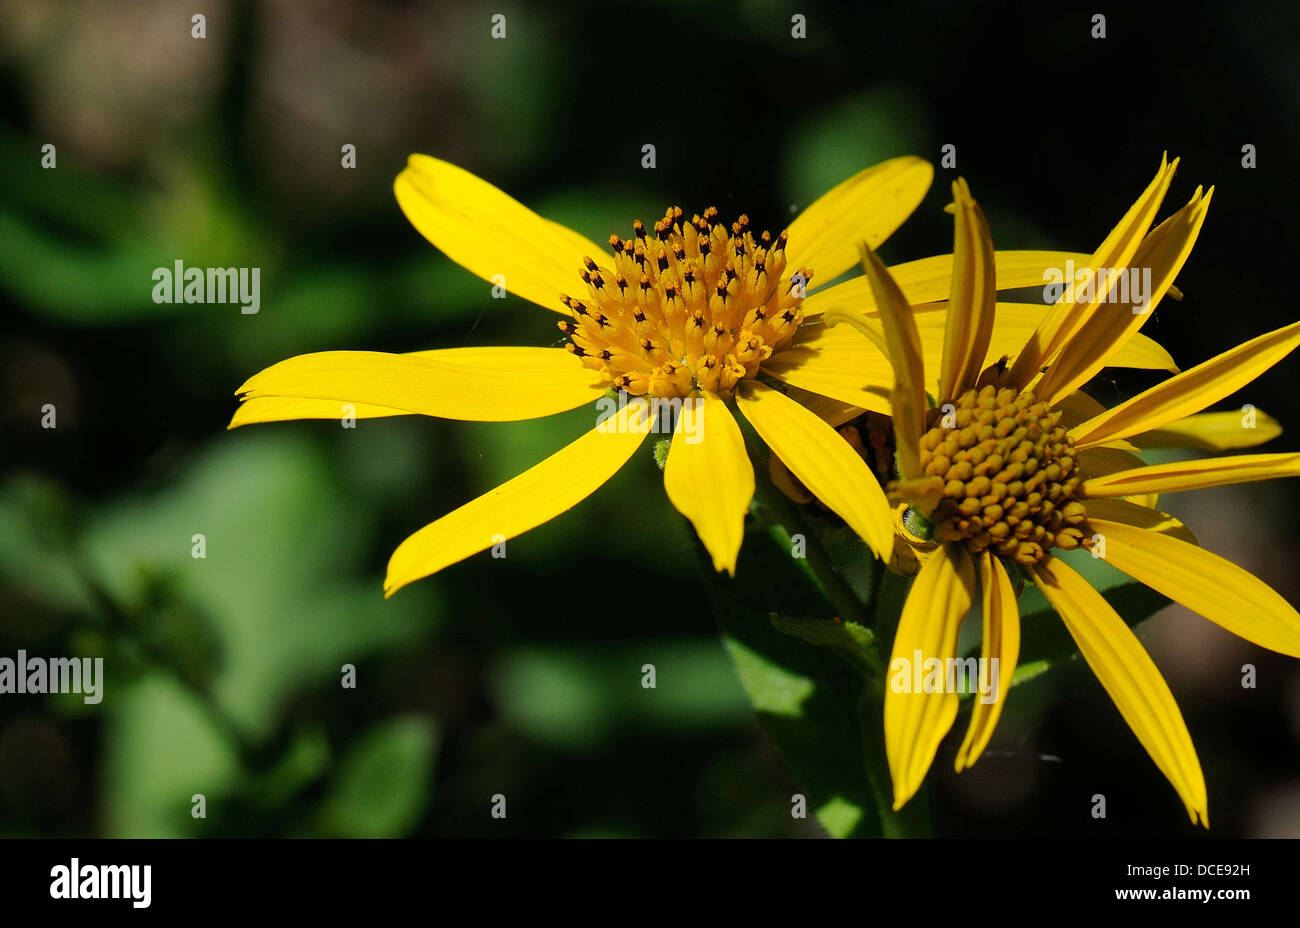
(691, 306)
(1009, 472)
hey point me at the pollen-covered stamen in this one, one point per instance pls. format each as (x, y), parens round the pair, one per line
(1010, 481)
(695, 305)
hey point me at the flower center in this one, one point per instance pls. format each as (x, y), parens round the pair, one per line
(1008, 468)
(691, 307)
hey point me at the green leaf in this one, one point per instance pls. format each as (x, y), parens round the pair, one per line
(383, 781)
(37, 525)
(807, 698)
(854, 642)
(281, 624)
(580, 697)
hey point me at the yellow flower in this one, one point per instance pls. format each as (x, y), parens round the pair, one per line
(690, 312)
(999, 476)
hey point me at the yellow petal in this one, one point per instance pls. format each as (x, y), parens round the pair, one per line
(479, 384)
(1140, 516)
(1097, 462)
(1214, 431)
(1001, 644)
(537, 495)
(785, 482)
(904, 343)
(836, 362)
(843, 366)
(843, 362)
(1142, 353)
(1203, 582)
(709, 478)
(833, 411)
(1079, 407)
(915, 722)
(286, 408)
(1016, 323)
(868, 207)
(1081, 298)
(930, 279)
(1194, 475)
(823, 461)
(1126, 672)
(1102, 460)
(969, 323)
(1112, 323)
(490, 233)
(1191, 391)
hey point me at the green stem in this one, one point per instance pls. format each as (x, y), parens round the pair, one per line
(786, 520)
(911, 821)
(783, 518)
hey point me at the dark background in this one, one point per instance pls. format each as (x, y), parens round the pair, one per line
(524, 678)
